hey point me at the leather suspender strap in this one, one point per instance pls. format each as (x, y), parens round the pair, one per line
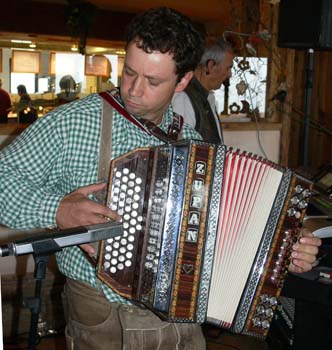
(105, 147)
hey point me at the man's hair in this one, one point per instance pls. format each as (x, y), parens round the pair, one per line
(21, 89)
(67, 83)
(216, 51)
(168, 31)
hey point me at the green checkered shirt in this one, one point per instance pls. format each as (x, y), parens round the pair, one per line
(53, 157)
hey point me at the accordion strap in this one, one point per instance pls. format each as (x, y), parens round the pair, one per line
(112, 97)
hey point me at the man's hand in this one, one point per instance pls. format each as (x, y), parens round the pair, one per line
(76, 209)
(304, 252)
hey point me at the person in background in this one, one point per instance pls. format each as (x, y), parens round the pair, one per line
(24, 96)
(54, 184)
(68, 90)
(197, 104)
(5, 104)
(26, 112)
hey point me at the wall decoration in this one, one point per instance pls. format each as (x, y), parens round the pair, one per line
(97, 65)
(25, 61)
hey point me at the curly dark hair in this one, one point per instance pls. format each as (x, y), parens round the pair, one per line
(166, 30)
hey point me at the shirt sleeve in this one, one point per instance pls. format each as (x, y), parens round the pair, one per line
(25, 200)
(182, 105)
(54, 156)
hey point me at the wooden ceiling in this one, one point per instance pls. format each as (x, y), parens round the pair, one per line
(208, 10)
(48, 25)
(205, 11)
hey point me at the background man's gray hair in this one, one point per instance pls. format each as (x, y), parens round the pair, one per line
(216, 51)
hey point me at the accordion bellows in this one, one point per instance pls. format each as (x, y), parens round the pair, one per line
(207, 233)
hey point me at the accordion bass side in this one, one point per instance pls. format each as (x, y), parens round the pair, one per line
(207, 233)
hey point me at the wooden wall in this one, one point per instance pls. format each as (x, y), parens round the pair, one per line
(288, 71)
(320, 131)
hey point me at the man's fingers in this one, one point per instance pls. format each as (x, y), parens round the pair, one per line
(311, 240)
(87, 190)
(307, 258)
(76, 209)
(87, 248)
(107, 213)
(299, 266)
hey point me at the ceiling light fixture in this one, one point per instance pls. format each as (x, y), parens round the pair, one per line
(32, 45)
(21, 41)
(74, 48)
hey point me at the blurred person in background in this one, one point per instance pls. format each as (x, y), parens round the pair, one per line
(5, 104)
(24, 96)
(26, 113)
(68, 90)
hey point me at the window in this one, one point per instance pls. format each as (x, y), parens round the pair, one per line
(27, 79)
(247, 89)
(69, 64)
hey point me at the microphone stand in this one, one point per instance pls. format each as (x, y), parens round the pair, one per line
(34, 304)
(307, 105)
(43, 248)
(41, 255)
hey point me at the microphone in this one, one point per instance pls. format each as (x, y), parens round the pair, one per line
(55, 240)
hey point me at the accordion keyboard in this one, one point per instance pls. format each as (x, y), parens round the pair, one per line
(126, 195)
(118, 258)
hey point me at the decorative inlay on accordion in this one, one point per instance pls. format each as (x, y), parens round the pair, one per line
(207, 233)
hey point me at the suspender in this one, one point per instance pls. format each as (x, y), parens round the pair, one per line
(105, 147)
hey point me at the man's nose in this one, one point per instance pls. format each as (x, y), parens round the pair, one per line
(137, 87)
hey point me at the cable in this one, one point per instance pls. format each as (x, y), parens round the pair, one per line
(313, 124)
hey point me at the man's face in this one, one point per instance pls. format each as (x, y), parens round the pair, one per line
(221, 71)
(148, 82)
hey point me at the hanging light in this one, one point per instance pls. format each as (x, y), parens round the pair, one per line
(74, 48)
(32, 45)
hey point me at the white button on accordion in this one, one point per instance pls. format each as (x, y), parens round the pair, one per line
(207, 233)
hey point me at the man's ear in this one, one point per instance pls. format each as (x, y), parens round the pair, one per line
(182, 84)
(209, 66)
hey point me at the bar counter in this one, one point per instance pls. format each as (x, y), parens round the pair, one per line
(9, 131)
(246, 126)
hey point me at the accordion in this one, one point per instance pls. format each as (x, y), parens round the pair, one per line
(207, 233)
